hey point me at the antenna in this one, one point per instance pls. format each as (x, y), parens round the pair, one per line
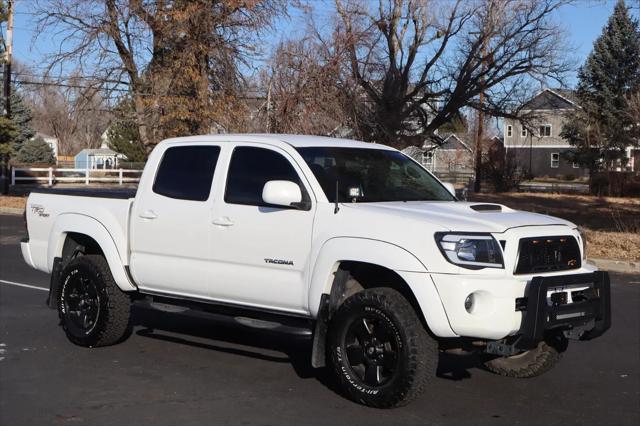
(337, 208)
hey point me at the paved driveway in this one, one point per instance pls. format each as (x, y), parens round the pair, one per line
(178, 369)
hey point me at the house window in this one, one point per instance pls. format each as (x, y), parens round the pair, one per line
(427, 159)
(575, 165)
(509, 131)
(555, 160)
(544, 131)
(523, 133)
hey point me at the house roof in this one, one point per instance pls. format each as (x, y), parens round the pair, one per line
(43, 136)
(98, 151)
(551, 99)
(451, 142)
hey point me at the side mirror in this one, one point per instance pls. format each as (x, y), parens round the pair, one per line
(281, 193)
(450, 188)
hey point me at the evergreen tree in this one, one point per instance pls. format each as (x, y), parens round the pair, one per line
(8, 133)
(35, 151)
(123, 134)
(21, 117)
(603, 128)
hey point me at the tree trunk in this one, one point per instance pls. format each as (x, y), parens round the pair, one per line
(141, 121)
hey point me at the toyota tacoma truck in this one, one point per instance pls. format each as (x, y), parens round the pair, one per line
(353, 243)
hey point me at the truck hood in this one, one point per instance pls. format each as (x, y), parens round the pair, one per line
(461, 216)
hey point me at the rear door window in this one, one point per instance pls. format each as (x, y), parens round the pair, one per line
(186, 172)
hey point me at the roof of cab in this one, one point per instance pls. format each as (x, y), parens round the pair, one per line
(297, 141)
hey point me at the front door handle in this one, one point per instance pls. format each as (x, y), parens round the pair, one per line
(222, 221)
(148, 214)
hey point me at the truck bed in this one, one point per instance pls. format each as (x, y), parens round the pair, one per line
(118, 193)
(50, 213)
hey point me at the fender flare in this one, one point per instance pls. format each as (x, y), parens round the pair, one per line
(379, 253)
(81, 224)
(341, 249)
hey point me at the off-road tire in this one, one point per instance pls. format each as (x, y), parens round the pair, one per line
(390, 315)
(112, 305)
(531, 363)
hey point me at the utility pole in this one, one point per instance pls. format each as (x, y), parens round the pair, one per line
(7, 60)
(4, 179)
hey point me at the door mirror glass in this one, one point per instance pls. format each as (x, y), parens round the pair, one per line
(281, 193)
(450, 188)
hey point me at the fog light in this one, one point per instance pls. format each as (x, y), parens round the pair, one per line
(468, 303)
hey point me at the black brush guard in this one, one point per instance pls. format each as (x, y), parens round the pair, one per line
(585, 319)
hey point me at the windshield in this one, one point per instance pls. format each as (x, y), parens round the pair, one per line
(371, 175)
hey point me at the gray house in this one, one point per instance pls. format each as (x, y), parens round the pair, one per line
(453, 156)
(537, 147)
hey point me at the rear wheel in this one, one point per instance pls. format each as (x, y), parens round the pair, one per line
(533, 362)
(92, 309)
(380, 352)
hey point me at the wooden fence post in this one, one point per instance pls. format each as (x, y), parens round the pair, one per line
(86, 176)
(13, 176)
(120, 176)
(50, 176)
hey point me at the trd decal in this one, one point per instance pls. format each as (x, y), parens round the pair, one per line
(39, 210)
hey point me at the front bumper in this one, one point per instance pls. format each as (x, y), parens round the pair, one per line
(506, 307)
(584, 319)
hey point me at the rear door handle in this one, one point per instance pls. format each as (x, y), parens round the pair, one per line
(148, 214)
(222, 221)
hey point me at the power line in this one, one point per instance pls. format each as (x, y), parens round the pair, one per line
(113, 89)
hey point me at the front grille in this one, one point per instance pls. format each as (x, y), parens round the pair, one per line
(547, 254)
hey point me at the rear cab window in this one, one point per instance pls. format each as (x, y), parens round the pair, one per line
(186, 172)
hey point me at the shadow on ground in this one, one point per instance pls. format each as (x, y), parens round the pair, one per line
(197, 330)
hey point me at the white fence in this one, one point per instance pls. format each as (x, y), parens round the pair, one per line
(52, 175)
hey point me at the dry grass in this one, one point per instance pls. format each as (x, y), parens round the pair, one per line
(612, 224)
(13, 201)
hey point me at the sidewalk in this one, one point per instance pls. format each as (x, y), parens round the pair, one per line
(622, 266)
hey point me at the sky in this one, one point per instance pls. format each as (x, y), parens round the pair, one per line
(583, 22)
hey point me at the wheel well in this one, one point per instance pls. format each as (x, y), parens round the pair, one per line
(352, 277)
(76, 244)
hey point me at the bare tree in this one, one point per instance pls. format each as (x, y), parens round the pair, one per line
(179, 59)
(633, 108)
(76, 116)
(303, 90)
(418, 62)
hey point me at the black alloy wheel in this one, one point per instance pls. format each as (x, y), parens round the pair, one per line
(81, 304)
(372, 350)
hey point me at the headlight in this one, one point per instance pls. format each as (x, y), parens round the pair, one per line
(472, 251)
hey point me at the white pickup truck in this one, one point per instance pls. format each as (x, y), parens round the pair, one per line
(353, 242)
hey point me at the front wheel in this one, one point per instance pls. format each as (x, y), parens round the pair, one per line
(379, 350)
(92, 309)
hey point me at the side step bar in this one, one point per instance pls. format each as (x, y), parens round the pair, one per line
(246, 316)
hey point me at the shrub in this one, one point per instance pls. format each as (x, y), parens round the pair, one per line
(615, 184)
(35, 151)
